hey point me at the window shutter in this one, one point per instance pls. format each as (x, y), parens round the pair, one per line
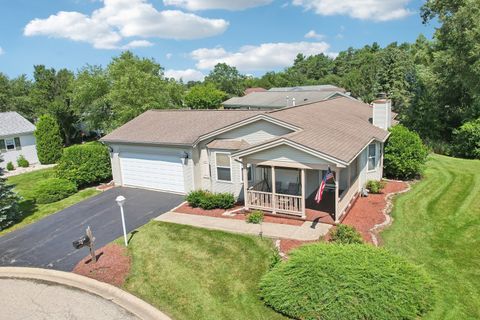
(18, 146)
(2, 145)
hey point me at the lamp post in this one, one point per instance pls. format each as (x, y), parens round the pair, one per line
(120, 201)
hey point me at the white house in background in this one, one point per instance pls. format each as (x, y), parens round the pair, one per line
(16, 138)
(272, 160)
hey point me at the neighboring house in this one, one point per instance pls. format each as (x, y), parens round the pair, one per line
(16, 138)
(251, 90)
(277, 98)
(277, 157)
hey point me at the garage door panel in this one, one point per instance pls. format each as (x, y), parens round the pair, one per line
(154, 171)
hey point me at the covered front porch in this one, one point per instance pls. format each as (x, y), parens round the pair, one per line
(288, 188)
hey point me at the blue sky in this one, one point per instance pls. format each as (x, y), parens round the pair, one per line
(188, 37)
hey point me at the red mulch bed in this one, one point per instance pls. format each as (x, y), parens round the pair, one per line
(286, 245)
(368, 211)
(239, 215)
(112, 266)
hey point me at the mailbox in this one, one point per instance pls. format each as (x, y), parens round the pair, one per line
(82, 242)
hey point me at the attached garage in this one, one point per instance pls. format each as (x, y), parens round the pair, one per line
(153, 171)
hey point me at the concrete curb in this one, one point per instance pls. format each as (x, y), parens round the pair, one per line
(121, 298)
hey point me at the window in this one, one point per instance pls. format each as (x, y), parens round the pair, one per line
(10, 144)
(223, 165)
(249, 174)
(372, 157)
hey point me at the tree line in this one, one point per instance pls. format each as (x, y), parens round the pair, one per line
(434, 84)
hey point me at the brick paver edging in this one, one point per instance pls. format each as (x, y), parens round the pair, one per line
(121, 298)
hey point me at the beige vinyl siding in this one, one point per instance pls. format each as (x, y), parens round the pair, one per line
(286, 154)
(256, 132)
(234, 186)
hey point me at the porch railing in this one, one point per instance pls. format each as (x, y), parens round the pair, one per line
(281, 203)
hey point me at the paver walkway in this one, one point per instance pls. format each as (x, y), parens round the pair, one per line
(308, 231)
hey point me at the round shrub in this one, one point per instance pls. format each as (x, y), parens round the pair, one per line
(10, 166)
(22, 162)
(405, 154)
(53, 189)
(195, 197)
(466, 140)
(346, 235)
(255, 217)
(375, 186)
(328, 281)
(85, 164)
(48, 140)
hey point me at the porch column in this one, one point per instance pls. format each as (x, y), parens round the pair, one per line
(302, 179)
(337, 183)
(274, 191)
(245, 184)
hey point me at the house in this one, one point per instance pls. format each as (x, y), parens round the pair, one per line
(16, 138)
(272, 160)
(276, 98)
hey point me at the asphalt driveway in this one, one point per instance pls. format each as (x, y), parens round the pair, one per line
(48, 242)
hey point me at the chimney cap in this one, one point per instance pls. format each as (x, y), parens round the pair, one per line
(381, 95)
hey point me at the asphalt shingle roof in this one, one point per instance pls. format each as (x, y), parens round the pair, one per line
(277, 99)
(175, 126)
(339, 127)
(11, 123)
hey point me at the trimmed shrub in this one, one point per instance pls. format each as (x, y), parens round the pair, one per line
(466, 140)
(53, 189)
(375, 186)
(85, 164)
(405, 154)
(255, 217)
(10, 166)
(345, 234)
(326, 281)
(194, 197)
(22, 162)
(208, 200)
(48, 140)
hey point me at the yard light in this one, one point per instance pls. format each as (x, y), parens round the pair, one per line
(120, 201)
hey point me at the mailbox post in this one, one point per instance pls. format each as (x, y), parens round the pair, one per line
(120, 201)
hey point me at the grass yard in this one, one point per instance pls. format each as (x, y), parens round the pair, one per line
(192, 273)
(24, 185)
(437, 225)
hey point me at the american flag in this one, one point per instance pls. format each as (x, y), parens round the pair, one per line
(328, 176)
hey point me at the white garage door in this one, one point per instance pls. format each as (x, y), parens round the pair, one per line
(153, 171)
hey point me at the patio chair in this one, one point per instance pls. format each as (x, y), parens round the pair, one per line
(278, 186)
(292, 188)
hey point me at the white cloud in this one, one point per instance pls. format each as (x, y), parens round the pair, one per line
(137, 44)
(185, 75)
(232, 5)
(169, 56)
(376, 10)
(265, 56)
(314, 35)
(106, 27)
(2, 51)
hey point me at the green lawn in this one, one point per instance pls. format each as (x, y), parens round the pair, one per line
(437, 225)
(192, 273)
(24, 185)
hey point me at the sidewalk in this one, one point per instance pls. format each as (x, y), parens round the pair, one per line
(308, 231)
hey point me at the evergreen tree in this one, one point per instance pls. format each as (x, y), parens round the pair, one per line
(49, 140)
(9, 210)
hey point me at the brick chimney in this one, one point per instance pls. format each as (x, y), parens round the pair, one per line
(382, 112)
